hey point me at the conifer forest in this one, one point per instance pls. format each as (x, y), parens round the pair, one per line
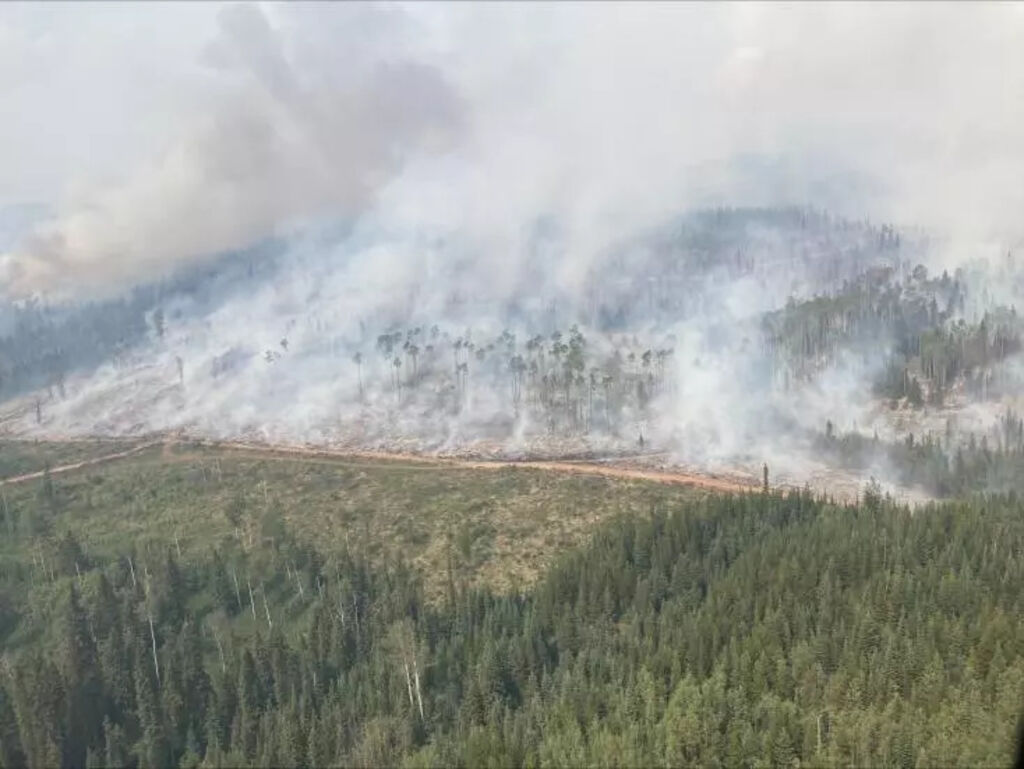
(511, 385)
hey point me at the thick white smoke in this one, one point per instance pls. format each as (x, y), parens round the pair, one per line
(482, 160)
(291, 122)
(482, 118)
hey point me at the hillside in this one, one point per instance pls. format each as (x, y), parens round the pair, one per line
(511, 385)
(175, 607)
(492, 527)
(718, 340)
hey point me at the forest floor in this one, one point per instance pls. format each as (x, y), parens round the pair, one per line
(791, 466)
(498, 521)
(67, 468)
(619, 467)
(651, 466)
(625, 468)
(498, 524)
(25, 459)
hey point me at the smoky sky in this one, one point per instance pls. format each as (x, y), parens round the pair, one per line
(158, 134)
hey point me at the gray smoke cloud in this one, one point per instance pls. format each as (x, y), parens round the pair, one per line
(489, 155)
(481, 118)
(295, 120)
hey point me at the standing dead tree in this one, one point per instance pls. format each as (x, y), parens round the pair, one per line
(402, 640)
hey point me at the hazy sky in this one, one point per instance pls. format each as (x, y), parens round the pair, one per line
(163, 132)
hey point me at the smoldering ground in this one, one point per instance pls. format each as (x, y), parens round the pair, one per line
(503, 168)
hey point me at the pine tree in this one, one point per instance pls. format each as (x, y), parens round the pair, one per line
(84, 691)
(152, 749)
(11, 753)
(115, 751)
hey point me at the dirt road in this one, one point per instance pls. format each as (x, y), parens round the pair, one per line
(582, 467)
(606, 470)
(79, 465)
(612, 471)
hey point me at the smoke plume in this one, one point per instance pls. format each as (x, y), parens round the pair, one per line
(605, 116)
(489, 168)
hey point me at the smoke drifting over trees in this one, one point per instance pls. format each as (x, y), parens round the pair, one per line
(534, 229)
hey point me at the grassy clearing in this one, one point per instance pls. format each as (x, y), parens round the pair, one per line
(18, 457)
(495, 527)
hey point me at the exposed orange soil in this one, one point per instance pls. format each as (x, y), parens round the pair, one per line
(698, 480)
(613, 471)
(716, 483)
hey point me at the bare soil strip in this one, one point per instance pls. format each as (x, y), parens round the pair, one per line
(611, 471)
(78, 465)
(606, 470)
(586, 467)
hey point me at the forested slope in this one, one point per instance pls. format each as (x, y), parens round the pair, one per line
(748, 630)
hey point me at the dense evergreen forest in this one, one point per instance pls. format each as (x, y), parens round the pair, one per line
(772, 628)
(752, 630)
(396, 385)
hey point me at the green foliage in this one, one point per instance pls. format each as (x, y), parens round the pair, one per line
(916, 319)
(751, 630)
(18, 457)
(945, 466)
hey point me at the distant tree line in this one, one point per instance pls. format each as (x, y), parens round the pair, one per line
(946, 465)
(931, 348)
